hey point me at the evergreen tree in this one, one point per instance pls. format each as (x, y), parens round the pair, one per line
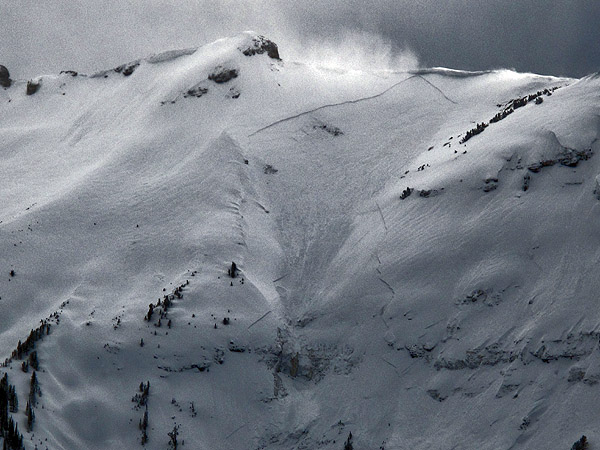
(30, 416)
(33, 388)
(581, 444)
(150, 311)
(13, 401)
(348, 445)
(4, 422)
(173, 437)
(33, 360)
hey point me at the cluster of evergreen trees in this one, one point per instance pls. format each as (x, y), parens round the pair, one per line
(144, 426)
(141, 398)
(23, 348)
(173, 444)
(501, 115)
(474, 131)
(508, 109)
(32, 361)
(165, 303)
(34, 391)
(13, 440)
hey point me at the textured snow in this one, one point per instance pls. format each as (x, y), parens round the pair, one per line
(462, 317)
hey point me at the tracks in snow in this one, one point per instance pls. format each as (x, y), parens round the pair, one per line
(351, 102)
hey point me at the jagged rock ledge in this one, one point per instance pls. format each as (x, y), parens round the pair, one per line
(260, 45)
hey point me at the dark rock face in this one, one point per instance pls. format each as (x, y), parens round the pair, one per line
(5, 80)
(222, 74)
(127, 69)
(569, 158)
(197, 91)
(260, 45)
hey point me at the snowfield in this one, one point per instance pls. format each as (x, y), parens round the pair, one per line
(394, 280)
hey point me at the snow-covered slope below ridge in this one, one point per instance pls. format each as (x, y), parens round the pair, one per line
(461, 316)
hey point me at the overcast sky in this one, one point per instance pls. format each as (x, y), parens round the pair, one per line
(557, 37)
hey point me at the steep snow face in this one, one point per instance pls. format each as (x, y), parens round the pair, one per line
(415, 254)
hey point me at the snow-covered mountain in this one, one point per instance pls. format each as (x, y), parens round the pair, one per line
(416, 255)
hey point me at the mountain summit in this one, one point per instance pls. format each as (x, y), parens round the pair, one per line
(221, 248)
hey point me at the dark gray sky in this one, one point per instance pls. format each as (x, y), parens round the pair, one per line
(557, 37)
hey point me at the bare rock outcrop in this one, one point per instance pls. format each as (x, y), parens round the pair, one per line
(5, 80)
(223, 74)
(260, 45)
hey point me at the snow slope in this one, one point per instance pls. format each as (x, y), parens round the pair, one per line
(463, 316)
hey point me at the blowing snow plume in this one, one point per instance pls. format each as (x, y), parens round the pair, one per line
(353, 50)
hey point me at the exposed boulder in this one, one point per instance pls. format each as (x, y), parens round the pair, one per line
(269, 169)
(426, 193)
(260, 45)
(571, 157)
(406, 192)
(127, 69)
(5, 80)
(32, 87)
(222, 74)
(234, 93)
(197, 91)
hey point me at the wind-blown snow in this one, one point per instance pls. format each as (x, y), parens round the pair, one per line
(463, 316)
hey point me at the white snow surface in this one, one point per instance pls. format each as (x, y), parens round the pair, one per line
(465, 319)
